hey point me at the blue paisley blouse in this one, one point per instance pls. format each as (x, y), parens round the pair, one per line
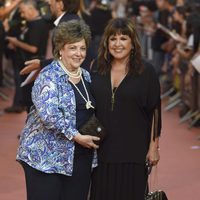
(46, 141)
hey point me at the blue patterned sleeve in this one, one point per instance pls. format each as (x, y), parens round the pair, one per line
(45, 98)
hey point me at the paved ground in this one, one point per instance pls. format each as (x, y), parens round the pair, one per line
(178, 171)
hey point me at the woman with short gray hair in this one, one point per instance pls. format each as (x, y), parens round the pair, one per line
(56, 158)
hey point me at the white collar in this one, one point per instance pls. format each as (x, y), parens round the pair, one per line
(56, 22)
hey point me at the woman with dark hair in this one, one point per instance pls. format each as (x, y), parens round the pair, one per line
(127, 94)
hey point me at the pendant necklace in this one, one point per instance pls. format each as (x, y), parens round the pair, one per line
(113, 98)
(113, 90)
(88, 104)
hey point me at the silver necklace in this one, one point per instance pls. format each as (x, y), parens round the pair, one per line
(70, 74)
(88, 104)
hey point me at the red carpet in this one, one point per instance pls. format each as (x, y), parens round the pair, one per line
(178, 171)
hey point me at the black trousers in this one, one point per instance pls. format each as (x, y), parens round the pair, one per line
(43, 186)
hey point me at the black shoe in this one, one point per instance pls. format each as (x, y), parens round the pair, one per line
(15, 109)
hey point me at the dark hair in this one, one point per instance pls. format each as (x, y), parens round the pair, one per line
(123, 26)
(71, 6)
(68, 33)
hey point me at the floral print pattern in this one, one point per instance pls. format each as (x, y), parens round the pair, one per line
(46, 141)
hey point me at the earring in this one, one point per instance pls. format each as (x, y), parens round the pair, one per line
(132, 53)
(60, 57)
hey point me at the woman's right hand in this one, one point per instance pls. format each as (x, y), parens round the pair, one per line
(31, 65)
(86, 140)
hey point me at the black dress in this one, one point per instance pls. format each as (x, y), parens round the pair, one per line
(121, 172)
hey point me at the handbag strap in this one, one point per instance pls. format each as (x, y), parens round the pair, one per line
(151, 174)
(148, 171)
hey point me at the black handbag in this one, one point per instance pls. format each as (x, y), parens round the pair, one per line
(93, 127)
(156, 195)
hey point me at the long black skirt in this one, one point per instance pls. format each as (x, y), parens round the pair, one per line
(118, 181)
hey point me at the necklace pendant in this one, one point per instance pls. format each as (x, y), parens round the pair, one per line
(88, 105)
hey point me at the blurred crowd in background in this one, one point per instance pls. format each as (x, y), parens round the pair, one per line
(169, 31)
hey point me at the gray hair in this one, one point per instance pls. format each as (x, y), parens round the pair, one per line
(68, 33)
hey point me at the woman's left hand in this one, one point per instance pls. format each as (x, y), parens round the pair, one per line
(153, 155)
